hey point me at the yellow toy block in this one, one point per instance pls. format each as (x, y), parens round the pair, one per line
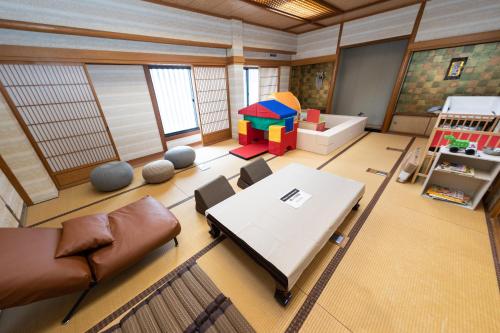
(275, 133)
(242, 126)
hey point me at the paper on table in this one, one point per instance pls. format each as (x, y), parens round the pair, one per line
(295, 198)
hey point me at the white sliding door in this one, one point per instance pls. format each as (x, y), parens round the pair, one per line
(212, 97)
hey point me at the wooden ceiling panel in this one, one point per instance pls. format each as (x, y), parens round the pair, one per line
(346, 5)
(303, 28)
(256, 12)
(377, 8)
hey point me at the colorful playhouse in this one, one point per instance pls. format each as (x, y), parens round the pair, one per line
(267, 126)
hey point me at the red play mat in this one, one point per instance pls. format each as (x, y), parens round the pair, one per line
(250, 151)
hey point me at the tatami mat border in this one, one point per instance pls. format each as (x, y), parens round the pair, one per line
(319, 286)
(130, 304)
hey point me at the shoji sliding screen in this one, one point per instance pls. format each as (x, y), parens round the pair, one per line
(213, 106)
(57, 107)
(268, 81)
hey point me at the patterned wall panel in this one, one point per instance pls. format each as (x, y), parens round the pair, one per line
(317, 43)
(22, 159)
(390, 24)
(303, 84)
(126, 103)
(424, 85)
(447, 18)
(125, 16)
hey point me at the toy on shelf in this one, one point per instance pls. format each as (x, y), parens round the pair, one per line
(313, 121)
(266, 126)
(456, 145)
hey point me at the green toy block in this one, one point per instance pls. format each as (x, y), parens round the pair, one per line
(263, 123)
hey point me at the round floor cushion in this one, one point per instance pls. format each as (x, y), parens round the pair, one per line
(181, 157)
(112, 176)
(158, 171)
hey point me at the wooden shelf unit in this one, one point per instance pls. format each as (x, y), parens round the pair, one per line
(463, 126)
(486, 169)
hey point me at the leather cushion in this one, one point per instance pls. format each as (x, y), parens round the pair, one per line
(84, 233)
(138, 229)
(29, 271)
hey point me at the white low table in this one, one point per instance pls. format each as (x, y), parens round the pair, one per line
(281, 238)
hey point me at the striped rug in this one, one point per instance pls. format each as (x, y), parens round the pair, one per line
(189, 302)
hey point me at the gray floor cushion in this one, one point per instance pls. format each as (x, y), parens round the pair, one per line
(112, 176)
(158, 171)
(181, 157)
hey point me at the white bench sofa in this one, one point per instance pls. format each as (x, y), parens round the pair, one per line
(341, 129)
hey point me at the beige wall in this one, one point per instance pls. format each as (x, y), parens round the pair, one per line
(126, 103)
(22, 159)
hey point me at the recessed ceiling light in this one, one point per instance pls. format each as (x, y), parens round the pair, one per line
(304, 9)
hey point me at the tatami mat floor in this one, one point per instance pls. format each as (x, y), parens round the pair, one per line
(416, 265)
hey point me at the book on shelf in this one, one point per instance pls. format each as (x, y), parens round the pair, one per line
(456, 168)
(447, 194)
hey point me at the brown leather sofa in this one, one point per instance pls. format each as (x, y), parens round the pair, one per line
(31, 273)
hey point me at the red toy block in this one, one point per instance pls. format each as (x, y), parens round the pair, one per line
(313, 115)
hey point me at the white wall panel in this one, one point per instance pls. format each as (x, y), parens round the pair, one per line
(126, 103)
(398, 22)
(9, 196)
(126, 16)
(317, 43)
(40, 39)
(22, 159)
(284, 78)
(448, 18)
(254, 36)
